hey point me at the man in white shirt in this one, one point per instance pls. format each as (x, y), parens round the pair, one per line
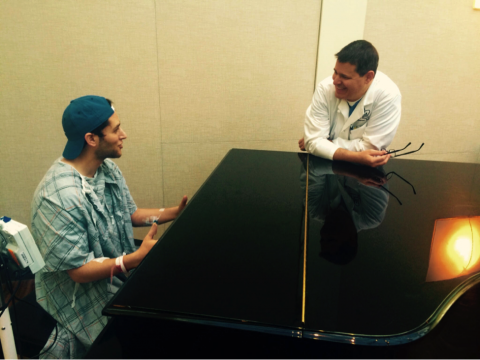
(355, 117)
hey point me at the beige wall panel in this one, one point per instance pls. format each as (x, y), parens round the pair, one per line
(236, 70)
(337, 31)
(431, 48)
(55, 51)
(187, 166)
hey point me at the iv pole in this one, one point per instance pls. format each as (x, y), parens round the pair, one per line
(21, 245)
(6, 331)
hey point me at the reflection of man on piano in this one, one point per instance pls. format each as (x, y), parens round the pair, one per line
(344, 199)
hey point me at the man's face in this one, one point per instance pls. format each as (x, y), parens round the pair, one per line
(349, 85)
(111, 144)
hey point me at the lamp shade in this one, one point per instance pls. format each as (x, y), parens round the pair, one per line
(455, 249)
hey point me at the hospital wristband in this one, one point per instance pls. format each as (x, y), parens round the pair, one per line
(120, 265)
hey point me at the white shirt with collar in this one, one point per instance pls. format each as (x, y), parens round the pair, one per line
(372, 125)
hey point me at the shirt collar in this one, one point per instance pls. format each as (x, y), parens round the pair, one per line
(370, 94)
(107, 174)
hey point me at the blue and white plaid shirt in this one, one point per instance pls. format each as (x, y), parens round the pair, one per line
(75, 220)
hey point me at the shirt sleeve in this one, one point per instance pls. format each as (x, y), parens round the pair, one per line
(128, 202)
(317, 126)
(61, 238)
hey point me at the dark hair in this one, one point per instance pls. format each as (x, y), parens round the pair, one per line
(360, 53)
(99, 129)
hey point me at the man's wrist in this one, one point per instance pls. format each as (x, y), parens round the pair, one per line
(342, 154)
(131, 261)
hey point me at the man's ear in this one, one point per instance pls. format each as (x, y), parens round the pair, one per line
(91, 139)
(369, 76)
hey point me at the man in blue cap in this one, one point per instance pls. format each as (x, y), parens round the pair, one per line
(82, 218)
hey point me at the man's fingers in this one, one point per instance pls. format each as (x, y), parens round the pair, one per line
(377, 160)
(375, 181)
(153, 231)
(183, 202)
(378, 152)
(382, 160)
(301, 144)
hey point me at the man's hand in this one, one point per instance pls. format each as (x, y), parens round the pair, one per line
(301, 144)
(145, 217)
(371, 158)
(96, 270)
(366, 175)
(134, 259)
(374, 182)
(370, 178)
(182, 205)
(147, 244)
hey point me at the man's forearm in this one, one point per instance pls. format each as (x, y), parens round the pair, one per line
(146, 217)
(371, 158)
(102, 268)
(354, 145)
(95, 270)
(345, 155)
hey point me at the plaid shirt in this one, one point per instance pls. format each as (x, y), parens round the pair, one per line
(75, 220)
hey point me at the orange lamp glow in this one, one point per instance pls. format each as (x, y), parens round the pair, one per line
(455, 249)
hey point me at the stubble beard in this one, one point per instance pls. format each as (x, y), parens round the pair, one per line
(102, 153)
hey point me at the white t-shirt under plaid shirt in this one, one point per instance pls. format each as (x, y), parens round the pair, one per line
(76, 220)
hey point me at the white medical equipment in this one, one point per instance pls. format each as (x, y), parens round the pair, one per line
(15, 239)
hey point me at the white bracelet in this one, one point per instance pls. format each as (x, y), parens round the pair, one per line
(156, 220)
(119, 262)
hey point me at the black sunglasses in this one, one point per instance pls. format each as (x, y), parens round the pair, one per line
(388, 176)
(396, 151)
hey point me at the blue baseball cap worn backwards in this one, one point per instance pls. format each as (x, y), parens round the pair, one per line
(82, 116)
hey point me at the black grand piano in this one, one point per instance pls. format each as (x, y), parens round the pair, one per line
(279, 249)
